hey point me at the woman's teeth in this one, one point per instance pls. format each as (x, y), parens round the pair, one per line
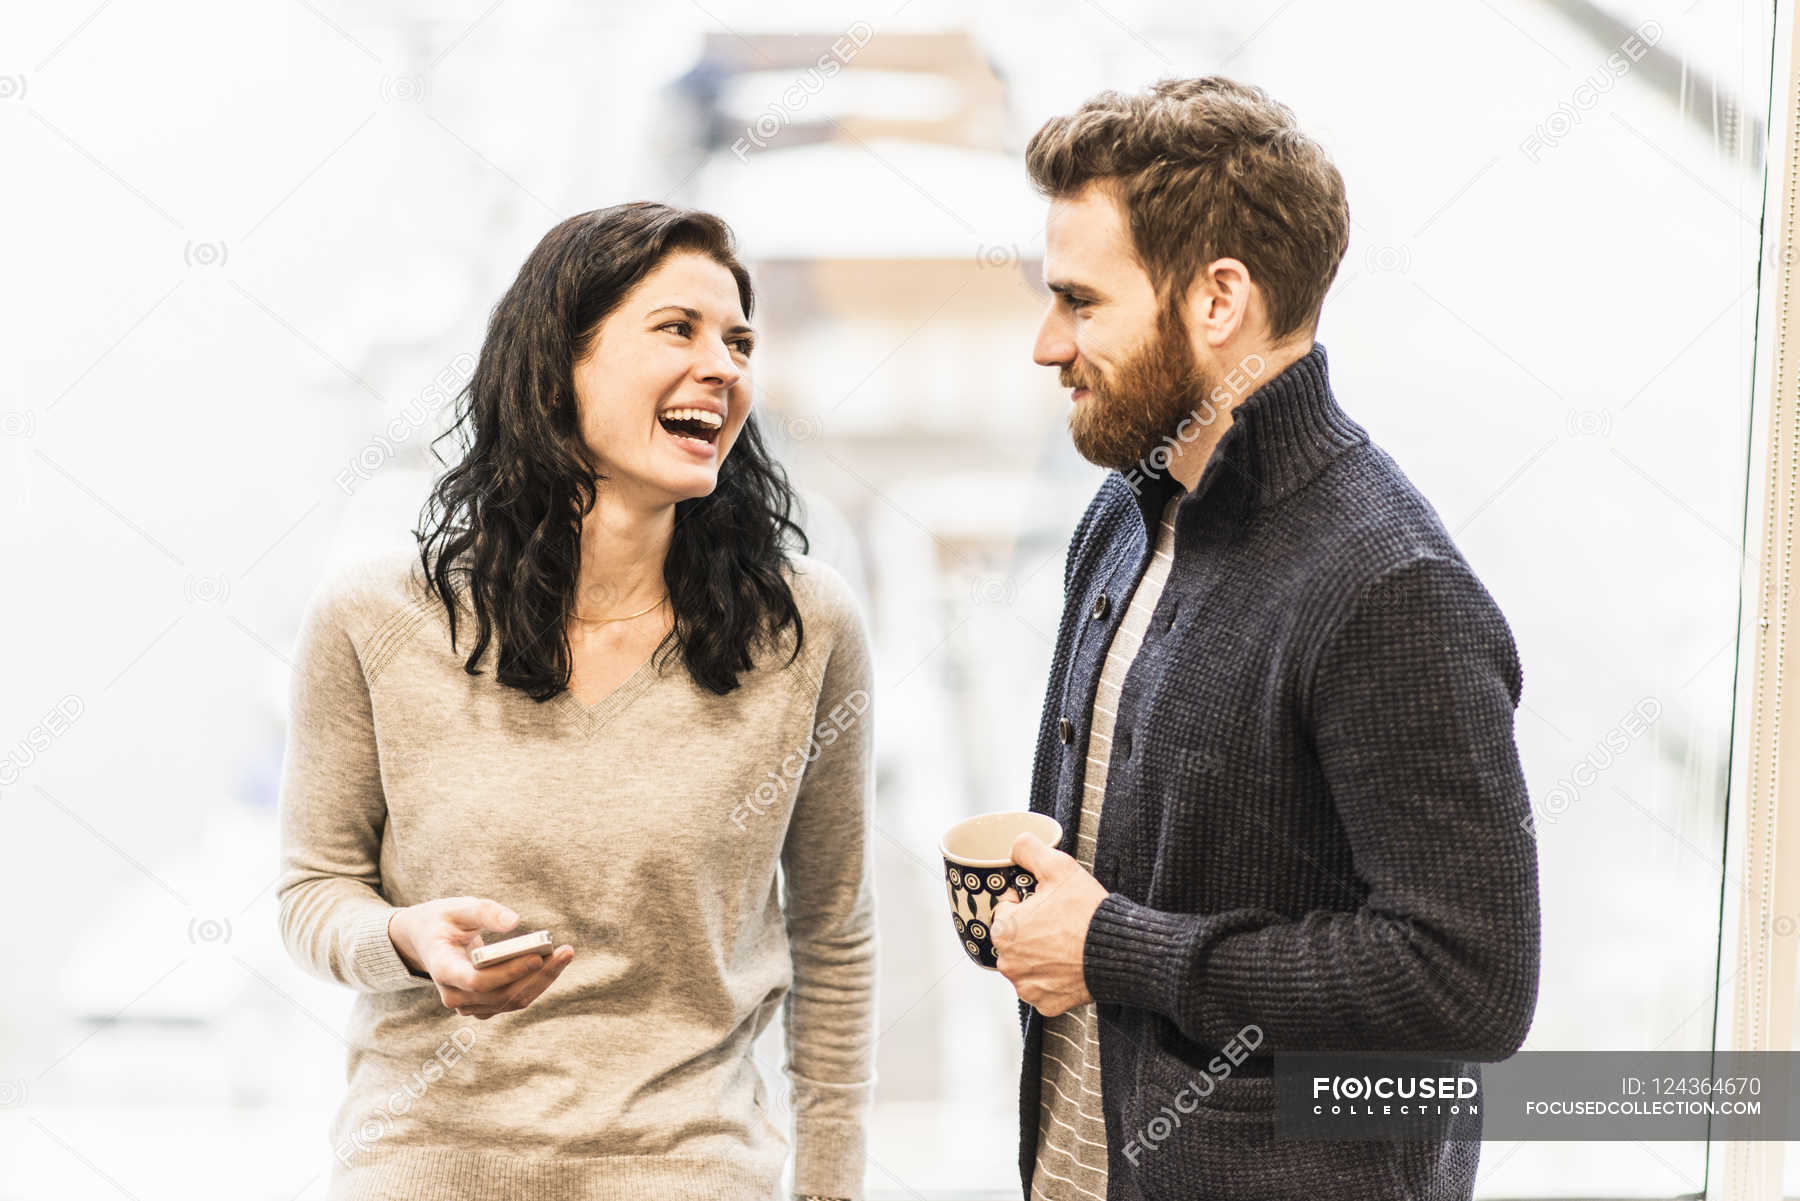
(702, 425)
(705, 416)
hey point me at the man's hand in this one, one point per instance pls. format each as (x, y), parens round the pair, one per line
(1037, 944)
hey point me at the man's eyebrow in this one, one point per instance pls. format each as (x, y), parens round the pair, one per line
(694, 316)
(1067, 287)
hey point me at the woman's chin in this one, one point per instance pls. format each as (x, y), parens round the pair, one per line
(691, 484)
(672, 474)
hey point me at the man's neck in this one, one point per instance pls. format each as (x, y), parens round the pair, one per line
(1231, 385)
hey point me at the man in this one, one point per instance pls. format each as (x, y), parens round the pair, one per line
(1278, 733)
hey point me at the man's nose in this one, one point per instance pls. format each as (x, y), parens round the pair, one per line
(1054, 348)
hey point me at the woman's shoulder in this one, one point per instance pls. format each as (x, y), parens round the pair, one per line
(822, 594)
(364, 591)
(835, 638)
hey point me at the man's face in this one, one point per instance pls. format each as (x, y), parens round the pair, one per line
(1126, 358)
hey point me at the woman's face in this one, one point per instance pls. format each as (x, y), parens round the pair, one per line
(665, 387)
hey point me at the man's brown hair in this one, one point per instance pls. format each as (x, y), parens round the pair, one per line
(1206, 169)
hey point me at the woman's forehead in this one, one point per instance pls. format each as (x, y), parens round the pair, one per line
(694, 281)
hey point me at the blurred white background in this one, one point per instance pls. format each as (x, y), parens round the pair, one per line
(247, 243)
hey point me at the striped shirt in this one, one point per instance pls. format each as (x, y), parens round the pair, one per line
(1071, 1150)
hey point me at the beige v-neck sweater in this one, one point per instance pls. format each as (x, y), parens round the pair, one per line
(708, 857)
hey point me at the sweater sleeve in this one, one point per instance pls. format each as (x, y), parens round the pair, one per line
(827, 865)
(333, 915)
(1410, 711)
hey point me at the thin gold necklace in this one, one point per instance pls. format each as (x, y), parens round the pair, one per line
(603, 620)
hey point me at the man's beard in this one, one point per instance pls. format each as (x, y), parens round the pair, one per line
(1127, 416)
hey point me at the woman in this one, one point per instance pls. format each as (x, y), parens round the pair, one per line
(613, 704)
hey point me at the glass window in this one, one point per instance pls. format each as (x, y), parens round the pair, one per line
(265, 248)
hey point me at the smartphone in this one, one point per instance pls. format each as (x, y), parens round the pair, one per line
(537, 942)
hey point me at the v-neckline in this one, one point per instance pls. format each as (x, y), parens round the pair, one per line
(590, 718)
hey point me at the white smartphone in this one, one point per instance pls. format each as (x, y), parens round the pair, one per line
(538, 941)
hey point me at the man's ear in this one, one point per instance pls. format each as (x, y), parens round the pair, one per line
(1218, 303)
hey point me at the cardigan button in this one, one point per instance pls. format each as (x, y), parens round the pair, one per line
(1102, 606)
(1065, 730)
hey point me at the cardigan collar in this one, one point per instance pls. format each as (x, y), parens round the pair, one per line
(1280, 437)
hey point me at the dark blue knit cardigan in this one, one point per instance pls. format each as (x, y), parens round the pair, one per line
(1315, 822)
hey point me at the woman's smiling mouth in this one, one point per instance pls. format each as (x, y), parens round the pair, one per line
(694, 430)
(692, 425)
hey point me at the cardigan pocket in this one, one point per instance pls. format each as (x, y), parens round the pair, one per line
(1180, 1146)
(1189, 1133)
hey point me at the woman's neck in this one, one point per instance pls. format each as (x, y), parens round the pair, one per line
(623, 550)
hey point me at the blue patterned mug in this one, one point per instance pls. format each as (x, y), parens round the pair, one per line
(978, 869)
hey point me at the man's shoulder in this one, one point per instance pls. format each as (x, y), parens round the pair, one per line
(1113, 507)
(1365, 517)
(1113, 499)
(1381, 545)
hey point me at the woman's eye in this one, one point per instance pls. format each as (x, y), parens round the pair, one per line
(686, 327)
(744, 346)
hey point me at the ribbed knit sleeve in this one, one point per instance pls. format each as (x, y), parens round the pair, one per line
(828, 899)
(333, 915)
(1410, 713)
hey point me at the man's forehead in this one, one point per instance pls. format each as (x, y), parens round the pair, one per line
(1084, 234)
(1086, 225)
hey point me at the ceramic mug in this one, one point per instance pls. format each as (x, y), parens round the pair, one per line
(978, 869)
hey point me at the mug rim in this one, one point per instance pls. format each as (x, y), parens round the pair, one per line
(961, 861)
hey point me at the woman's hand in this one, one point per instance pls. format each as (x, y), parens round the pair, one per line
(436, 937)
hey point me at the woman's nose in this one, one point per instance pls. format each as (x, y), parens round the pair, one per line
(720, 369)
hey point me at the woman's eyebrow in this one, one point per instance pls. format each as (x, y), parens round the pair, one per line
(694, 316)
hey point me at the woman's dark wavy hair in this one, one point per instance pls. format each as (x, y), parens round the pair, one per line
(505, 521)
